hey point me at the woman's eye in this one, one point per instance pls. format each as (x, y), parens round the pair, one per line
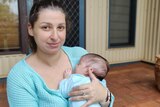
(61, 28)
(45, 28)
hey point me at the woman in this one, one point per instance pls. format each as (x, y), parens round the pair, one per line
(34, 81)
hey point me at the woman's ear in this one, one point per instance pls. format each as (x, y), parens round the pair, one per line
(30, 29)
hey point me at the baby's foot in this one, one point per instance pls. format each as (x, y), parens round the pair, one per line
(67, 73)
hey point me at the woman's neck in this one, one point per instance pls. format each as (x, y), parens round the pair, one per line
(49, 60)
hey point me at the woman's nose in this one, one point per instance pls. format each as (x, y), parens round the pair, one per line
(54, 34)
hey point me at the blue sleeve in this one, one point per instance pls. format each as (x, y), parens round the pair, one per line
(67, 84)
(74, 54)
(79, 80)
(19, 92)
(65, 87)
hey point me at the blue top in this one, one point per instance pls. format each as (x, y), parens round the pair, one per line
(67, 84)
(26, 88)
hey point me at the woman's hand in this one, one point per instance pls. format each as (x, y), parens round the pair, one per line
(93, 92)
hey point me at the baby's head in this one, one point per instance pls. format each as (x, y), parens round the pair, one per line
(94, 62)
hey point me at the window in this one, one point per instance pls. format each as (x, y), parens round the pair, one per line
(75, 9)
(122, 18)
(12, 26)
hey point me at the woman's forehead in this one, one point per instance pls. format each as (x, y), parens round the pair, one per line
(51, 11)
(48, 15)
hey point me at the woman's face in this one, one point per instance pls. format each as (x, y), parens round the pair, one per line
(49, 31)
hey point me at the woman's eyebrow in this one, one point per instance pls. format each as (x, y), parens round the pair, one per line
(62, 24)
(51, 23)
(45, 23)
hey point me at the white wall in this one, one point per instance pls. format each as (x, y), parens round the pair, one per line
(97, 33)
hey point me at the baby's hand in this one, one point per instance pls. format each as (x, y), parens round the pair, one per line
(67, 73)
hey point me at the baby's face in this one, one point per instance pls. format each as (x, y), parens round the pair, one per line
(82, 68)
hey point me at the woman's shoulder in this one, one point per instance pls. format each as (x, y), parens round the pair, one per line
(76, 50)
(18, 70)
(73, 48)
(19, 64)
(74, 54)
(21, 75)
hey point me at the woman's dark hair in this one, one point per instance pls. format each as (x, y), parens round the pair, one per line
(34, 14)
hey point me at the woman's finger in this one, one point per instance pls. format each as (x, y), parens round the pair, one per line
(91, 75)
(79, 92)
(81, 97)
(75, 93)
(81, 87)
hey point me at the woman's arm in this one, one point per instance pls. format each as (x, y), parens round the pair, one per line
(19, 92)
(94, 92)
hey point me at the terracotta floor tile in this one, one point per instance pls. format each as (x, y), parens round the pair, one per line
(149, 104)
(133, 85)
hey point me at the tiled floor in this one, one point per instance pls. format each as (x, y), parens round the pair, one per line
(133, 85)
(3, 96)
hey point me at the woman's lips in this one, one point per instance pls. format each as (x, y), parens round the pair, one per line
(54, 44)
